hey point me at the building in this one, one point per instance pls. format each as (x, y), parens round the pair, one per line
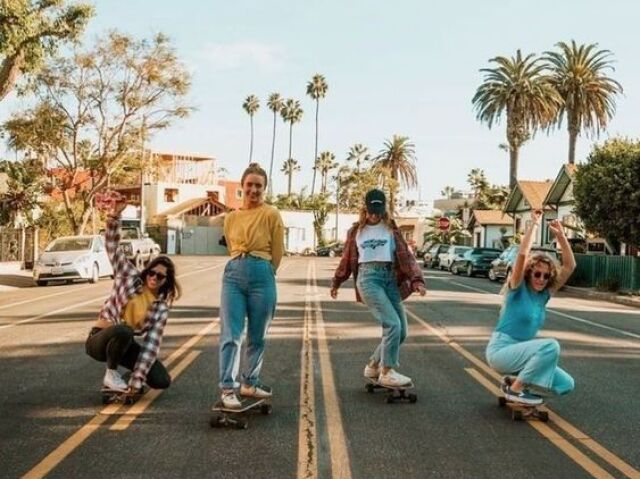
(233, 194)
(525, 197)
(299, 232)
(490, 228)
(560, 198)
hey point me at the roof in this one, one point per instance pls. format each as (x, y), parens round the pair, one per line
(534, 193)
(491, 217)
(563, 180)
(186, 206)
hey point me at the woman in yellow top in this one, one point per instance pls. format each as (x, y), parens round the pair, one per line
(255, 240)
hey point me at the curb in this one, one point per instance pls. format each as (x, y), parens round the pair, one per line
(601, 296)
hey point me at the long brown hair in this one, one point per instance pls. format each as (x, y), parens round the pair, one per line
(543, 258)
(254, 169)
(170, 289)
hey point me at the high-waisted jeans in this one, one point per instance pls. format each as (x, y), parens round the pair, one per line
(534, 361)
(378, 288)
(248, 296)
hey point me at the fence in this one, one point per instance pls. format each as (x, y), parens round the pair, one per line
(607, 272)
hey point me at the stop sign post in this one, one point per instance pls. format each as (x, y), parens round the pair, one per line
(444, 223)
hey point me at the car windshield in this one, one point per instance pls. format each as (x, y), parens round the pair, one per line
(485, 252)
(70, 244)
(460, 250)
(129, 233)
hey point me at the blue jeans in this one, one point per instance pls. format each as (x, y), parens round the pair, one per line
(248, 295)
(378, 288)
(534, 361)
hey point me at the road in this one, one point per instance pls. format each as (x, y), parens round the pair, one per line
(324, 424)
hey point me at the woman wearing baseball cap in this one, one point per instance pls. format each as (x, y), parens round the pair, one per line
(386, 273)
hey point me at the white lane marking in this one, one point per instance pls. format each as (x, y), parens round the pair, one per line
(42, 297)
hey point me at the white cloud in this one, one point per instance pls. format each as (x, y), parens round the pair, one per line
(240, 55)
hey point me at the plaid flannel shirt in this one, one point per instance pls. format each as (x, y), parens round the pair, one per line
(127, 284)
(408, 272)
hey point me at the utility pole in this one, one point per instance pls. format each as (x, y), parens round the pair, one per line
(142, 175)
(337, 203)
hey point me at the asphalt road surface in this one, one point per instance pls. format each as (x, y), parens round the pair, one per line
(324, 424)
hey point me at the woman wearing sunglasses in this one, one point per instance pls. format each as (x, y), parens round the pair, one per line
(513, 348)
(137, 306)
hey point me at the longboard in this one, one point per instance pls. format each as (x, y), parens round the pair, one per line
(524, 412)
(110, 396)
(394, 393)
(223, 416)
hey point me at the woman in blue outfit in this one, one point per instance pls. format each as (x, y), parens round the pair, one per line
(513, 347)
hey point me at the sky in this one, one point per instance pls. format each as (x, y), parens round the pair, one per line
(406, 67)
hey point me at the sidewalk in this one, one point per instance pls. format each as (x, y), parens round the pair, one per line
(12, 277)
(591, 293)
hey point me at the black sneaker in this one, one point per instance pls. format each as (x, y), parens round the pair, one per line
(523, 397)
(506, 383)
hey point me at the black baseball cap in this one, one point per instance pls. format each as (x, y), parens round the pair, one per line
(376, 202)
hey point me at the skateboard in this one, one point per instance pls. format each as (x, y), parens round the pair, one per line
(523, 412)
(394, 393)
(110, 396)
(223, 416)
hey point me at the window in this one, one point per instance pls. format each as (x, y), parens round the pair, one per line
(239, 194)
(170, 195)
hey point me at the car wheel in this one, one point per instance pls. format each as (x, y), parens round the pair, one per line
(469, 270)
(454, 269)
(95, 274)
(42, 283)
(332, 254)
(492, 275)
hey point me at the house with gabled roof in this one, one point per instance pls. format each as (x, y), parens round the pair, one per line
(490, 228)
(525, 197)
(560, 198)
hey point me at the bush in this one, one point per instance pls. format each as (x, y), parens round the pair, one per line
(610, 285)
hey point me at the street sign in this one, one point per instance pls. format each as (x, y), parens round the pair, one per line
(444, 223)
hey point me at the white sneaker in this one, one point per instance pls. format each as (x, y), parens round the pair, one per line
(371, 372)
(259, 391)
(230, 400)
(394, 379)
(113, 381)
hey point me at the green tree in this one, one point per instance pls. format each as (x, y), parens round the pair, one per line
(448, 192)
(578, 73)
(31, 31)
(251, 105)
(456, 233)
(291, 113)
(24, 189)
(325, 163)
(289, 167)
(316, 89)
(398, 158)
(607, 191)
(520, 89)
(96, 106)
(319, 205)
(359, 155)
(275, 104)
(355, 184)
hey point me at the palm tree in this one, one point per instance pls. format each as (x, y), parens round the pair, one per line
(359, 154)
(325, 163)
(316, 89)
(275, 104)
(578, 74)
(520, 88)
(251, 105)
(478, 182)
(291, 113)
(448, 192)
(398, 158)
(288, 168)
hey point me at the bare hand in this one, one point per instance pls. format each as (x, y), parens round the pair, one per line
(556, 227)
(334, 293)
(420, 289)
(536, 217)
(111, 202)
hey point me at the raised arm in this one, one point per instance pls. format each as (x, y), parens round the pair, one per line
(113, 205)
(517, 273)
(568, 260)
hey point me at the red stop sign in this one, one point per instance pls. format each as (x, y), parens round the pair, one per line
(444, 223)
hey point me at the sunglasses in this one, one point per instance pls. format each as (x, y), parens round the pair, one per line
(540, 274)
(156, 274)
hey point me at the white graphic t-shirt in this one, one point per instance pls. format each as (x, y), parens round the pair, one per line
(375, 243)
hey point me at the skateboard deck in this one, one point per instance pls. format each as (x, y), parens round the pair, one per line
(394, 393)
(110, 396)
(524, 412)
(223, 416)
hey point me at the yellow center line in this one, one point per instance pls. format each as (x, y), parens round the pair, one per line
(546, 431)
(76, 439)
(307, 438)
(561, 423)
(340, 463)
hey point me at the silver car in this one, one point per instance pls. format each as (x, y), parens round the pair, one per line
(73, 257)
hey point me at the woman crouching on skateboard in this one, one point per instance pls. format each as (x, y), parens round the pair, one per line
(386, 273)
(137, 306)
(512, 348)
(255, 239)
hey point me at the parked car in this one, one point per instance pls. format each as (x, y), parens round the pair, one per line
(453, 253)
(332, 249)
(73, 257)
(431, 257)
(475, 261)
(502, 265)
(137, 247)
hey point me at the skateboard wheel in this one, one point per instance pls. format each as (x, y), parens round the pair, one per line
(389, 399)
(106, 400)
(369, 388)
(242, 424)
(516, 415)
(502, 401)
(544, 416)
(215, 421)
(266, 409)
(413, 397)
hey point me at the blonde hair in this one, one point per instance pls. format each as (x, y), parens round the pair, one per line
(254, 169)
(530, 263)
(386, 218)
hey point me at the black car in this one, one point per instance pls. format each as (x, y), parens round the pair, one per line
(430, 258)
(475, 261)
(331, 250)
(502, 265)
